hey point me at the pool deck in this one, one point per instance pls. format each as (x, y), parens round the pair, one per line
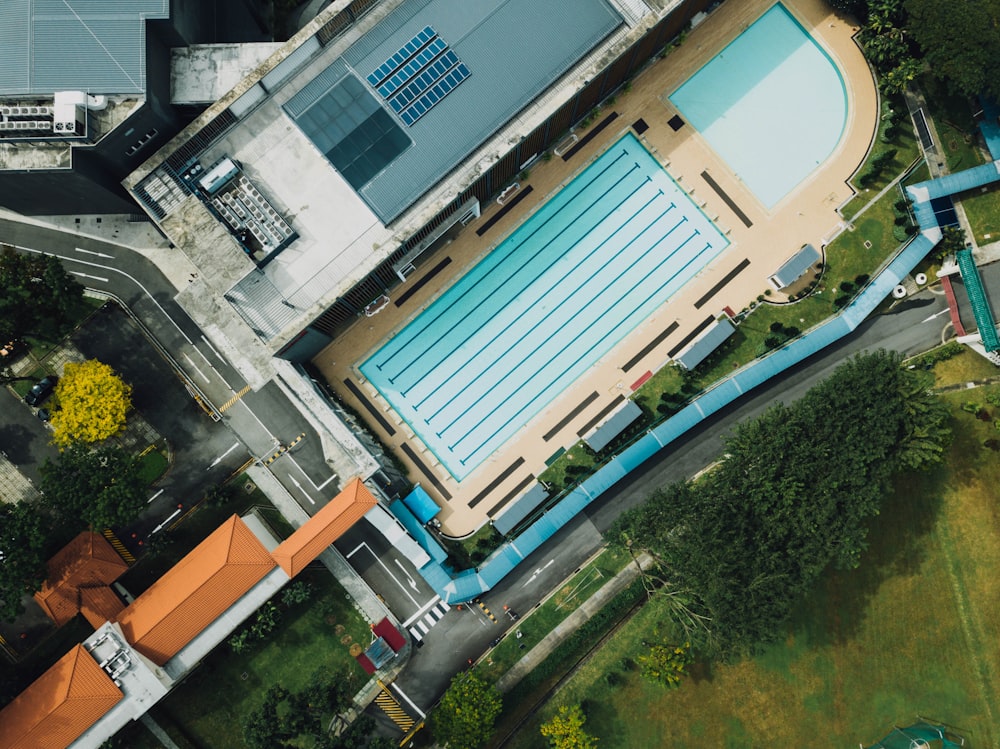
(761, 241)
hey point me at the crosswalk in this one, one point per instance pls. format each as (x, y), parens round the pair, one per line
(421, 623)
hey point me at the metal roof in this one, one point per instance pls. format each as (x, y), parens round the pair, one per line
(795, 266)
(697, 352)
(601, 437)
(514, 50)
(98, 46)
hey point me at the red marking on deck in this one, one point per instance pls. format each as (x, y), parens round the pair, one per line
(729, 311)
(949, 293)
(638, 383)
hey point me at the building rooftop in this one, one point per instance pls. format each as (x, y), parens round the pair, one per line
(502, 54)
(60, 705)
(86, 563)
(195, 591)
(323, 528)
(103, 40)
(204, 73)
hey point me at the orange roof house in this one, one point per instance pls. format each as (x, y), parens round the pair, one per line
(195, 591)
(88, 561)
(99, 605)
(323, 528)
(60, 705)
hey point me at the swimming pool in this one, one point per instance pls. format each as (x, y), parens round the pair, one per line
(772, 104)
(543, 306)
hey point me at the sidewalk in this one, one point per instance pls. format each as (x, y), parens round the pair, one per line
(571, 624)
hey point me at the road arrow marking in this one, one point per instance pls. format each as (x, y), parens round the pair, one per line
(406, 574)
(91, 252)
(219, 459)
(84, 275)
(936, 314)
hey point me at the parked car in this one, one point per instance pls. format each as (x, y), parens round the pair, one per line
(41, 390)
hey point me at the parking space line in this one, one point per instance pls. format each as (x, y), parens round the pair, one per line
(195, 367)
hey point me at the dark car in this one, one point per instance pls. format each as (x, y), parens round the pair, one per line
(41, 390)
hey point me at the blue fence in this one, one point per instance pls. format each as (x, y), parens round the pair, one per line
(466, 585)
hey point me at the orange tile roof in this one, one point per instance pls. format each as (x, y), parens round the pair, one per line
(86, 561)
(60, 705)
(100, 605)
(195, 591)
(323, 528)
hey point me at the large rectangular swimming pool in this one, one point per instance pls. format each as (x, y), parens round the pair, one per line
(772, 104)
(544, 306)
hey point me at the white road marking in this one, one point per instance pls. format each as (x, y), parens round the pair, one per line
(219, 459)
(212, 348)
(326, 482)
(84, 275)
(421, 610)
(304, 492)
(195, 368)
(403, 570)
(170, 517)
(408, 700)
(387, 570)
(132, 278)
(431, 621)
(538, 572)
(302, 471)
(423, 627)
(91, 252)
(154, 496)
(936, 314)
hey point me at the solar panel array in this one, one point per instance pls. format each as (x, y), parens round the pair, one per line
(419, 75)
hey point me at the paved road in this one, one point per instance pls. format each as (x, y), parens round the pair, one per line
(261, 421)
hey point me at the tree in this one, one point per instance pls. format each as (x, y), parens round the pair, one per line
(856, 8)
(37, 296)
(565, 730)
(93, 403)
(952, 240)
(792, 497)
(959, 41)
(667, 664)
(465, 716)
(102, 488)
(22, 558)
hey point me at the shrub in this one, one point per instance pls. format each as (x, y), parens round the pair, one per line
(861, 280)
(776, 327)
(847, 287)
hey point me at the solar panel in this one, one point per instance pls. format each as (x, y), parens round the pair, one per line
(421, 60)
(424, 81)
(404, 53)
(436, 93)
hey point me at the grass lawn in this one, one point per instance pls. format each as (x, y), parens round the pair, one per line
(152, 465)
(967, 366)
(912, 631)
(983, 212)
(545, 618)
(211, 706)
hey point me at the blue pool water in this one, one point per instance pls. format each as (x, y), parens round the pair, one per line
(772, 104)
(542, 307)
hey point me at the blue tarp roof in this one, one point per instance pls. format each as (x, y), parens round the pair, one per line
(421, 505)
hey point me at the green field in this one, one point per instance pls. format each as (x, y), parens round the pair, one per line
(912, 631)
(210, 708)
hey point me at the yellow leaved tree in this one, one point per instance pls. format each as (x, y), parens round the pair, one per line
(93, 402)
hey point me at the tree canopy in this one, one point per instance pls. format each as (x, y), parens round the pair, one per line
(465, 716)
(959, 39)
(102, 487)
(22, 556)
(565, 730)
(93, 403)
(37, 296)
(792, 497)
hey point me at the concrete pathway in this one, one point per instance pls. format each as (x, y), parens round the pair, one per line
(571, 624)
(157, 730)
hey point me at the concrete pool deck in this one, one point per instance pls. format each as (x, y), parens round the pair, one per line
(763, 238)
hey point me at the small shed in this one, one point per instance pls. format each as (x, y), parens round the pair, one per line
(520, 509)
(795, 267)
(698, 350)
(602, 435)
